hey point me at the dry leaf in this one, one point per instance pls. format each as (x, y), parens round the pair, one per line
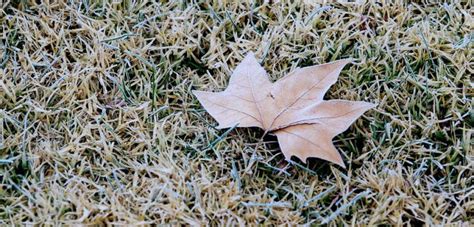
(292, 108)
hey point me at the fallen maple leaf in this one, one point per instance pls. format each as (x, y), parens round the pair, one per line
(292, 108)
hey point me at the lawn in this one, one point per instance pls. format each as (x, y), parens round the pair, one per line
(98, 124)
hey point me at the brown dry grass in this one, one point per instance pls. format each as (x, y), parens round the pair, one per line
(98, 124)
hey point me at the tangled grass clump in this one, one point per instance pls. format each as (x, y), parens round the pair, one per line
(98, 124)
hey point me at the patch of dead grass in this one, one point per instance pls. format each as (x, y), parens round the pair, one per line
(98, 124)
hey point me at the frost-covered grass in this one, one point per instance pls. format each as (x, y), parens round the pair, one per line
(98, 124)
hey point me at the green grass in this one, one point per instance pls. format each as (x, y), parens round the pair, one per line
(98, 124)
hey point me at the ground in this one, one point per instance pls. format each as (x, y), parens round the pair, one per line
(98, 123)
